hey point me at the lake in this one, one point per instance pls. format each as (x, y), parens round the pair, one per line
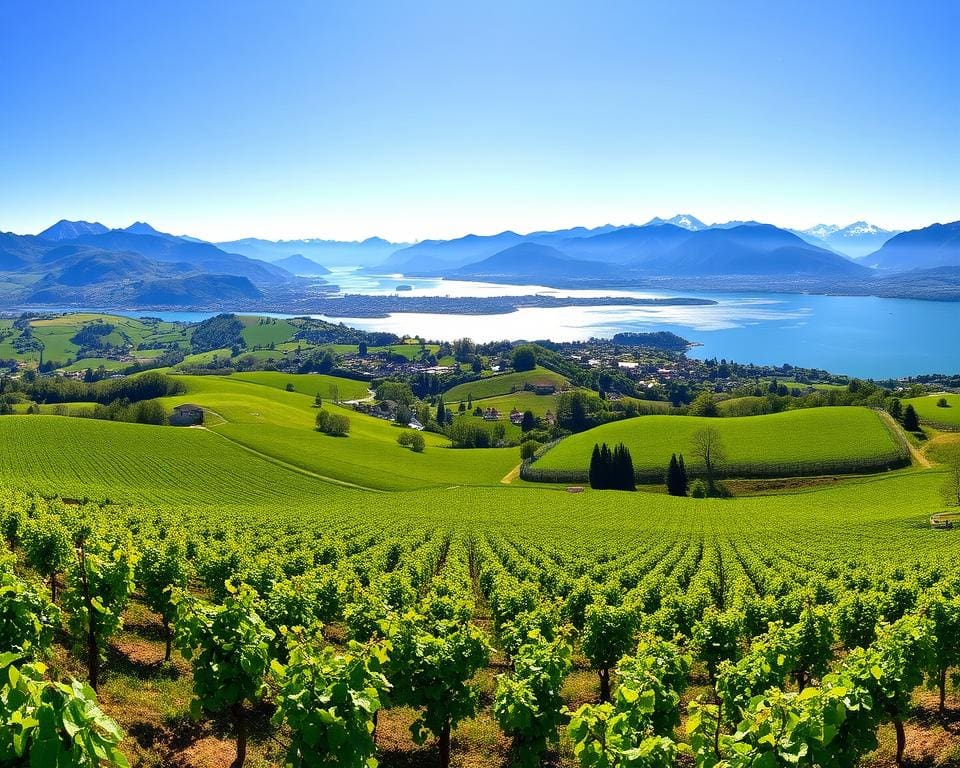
(857, 335)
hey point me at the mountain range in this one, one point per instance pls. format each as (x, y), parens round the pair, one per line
(856, 240)
(80, 262)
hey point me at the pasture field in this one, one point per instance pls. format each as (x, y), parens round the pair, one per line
(504, 384)
(522, 401)
(930, 413)
(308, 383)
(55, 333)
(263, 331)
(832, 439)
(262, 416)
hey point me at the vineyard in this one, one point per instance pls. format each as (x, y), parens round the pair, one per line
(486, 626)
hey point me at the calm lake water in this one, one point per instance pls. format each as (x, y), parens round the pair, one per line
(857, 335)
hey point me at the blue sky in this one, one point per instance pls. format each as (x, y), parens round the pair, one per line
(432, 119)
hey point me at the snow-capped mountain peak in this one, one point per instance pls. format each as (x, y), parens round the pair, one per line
(682, 220)
(823, 231)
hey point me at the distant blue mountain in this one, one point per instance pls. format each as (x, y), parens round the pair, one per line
(69, 230)
(330, 253)
(682, 220)
(935, 246)
(434, 255)
(760, 249)
(855, 240)
(533, 260)
(628, 245)
(298, 264)
(205, 257)
(670, 251)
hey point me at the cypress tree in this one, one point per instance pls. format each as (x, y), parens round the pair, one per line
(673, 476)
(911, 421)
(441, 412)
(623, 466)
(684, 483)
(596, 480)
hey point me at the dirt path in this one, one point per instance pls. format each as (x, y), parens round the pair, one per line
(512, 475)
(918, 458)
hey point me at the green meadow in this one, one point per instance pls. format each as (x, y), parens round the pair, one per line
(837, 438)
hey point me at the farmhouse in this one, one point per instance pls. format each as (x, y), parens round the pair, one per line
(491, 414)
(186, 415)
(516, 417)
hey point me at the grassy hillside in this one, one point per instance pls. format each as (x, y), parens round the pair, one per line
(260, 414)
(504, 384)
(808, 441)
(931, 413)
(136, 463)
(308, 383)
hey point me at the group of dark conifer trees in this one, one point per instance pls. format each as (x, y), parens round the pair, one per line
(677, 476)
(612, 470)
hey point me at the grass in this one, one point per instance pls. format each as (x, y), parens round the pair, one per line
(504, 384)
(930, 413)
(834, 438)
(261, 415)
(308, 383)
(522, 401)
(263, 331)
(136, 463)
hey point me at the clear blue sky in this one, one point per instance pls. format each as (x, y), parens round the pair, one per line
(432, 119)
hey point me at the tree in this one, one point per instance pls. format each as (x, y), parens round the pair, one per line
(162, 568)
(524, 358)
(911, 422)
(98, 587)
(528, 449)
(682, 481)
(329, 701)
(529, 421)
(707, 448)
(48, 548)
(417, 443)
(895, 408)
(362, 349)
(942, 403)
(676, 480)
(703, 405)
(317, 401)
(228, 647)
(607, 636)
(441, 412)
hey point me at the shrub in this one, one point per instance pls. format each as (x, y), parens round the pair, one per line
(528, 449)
(698, 489)
(335, 424)
(942, 403)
